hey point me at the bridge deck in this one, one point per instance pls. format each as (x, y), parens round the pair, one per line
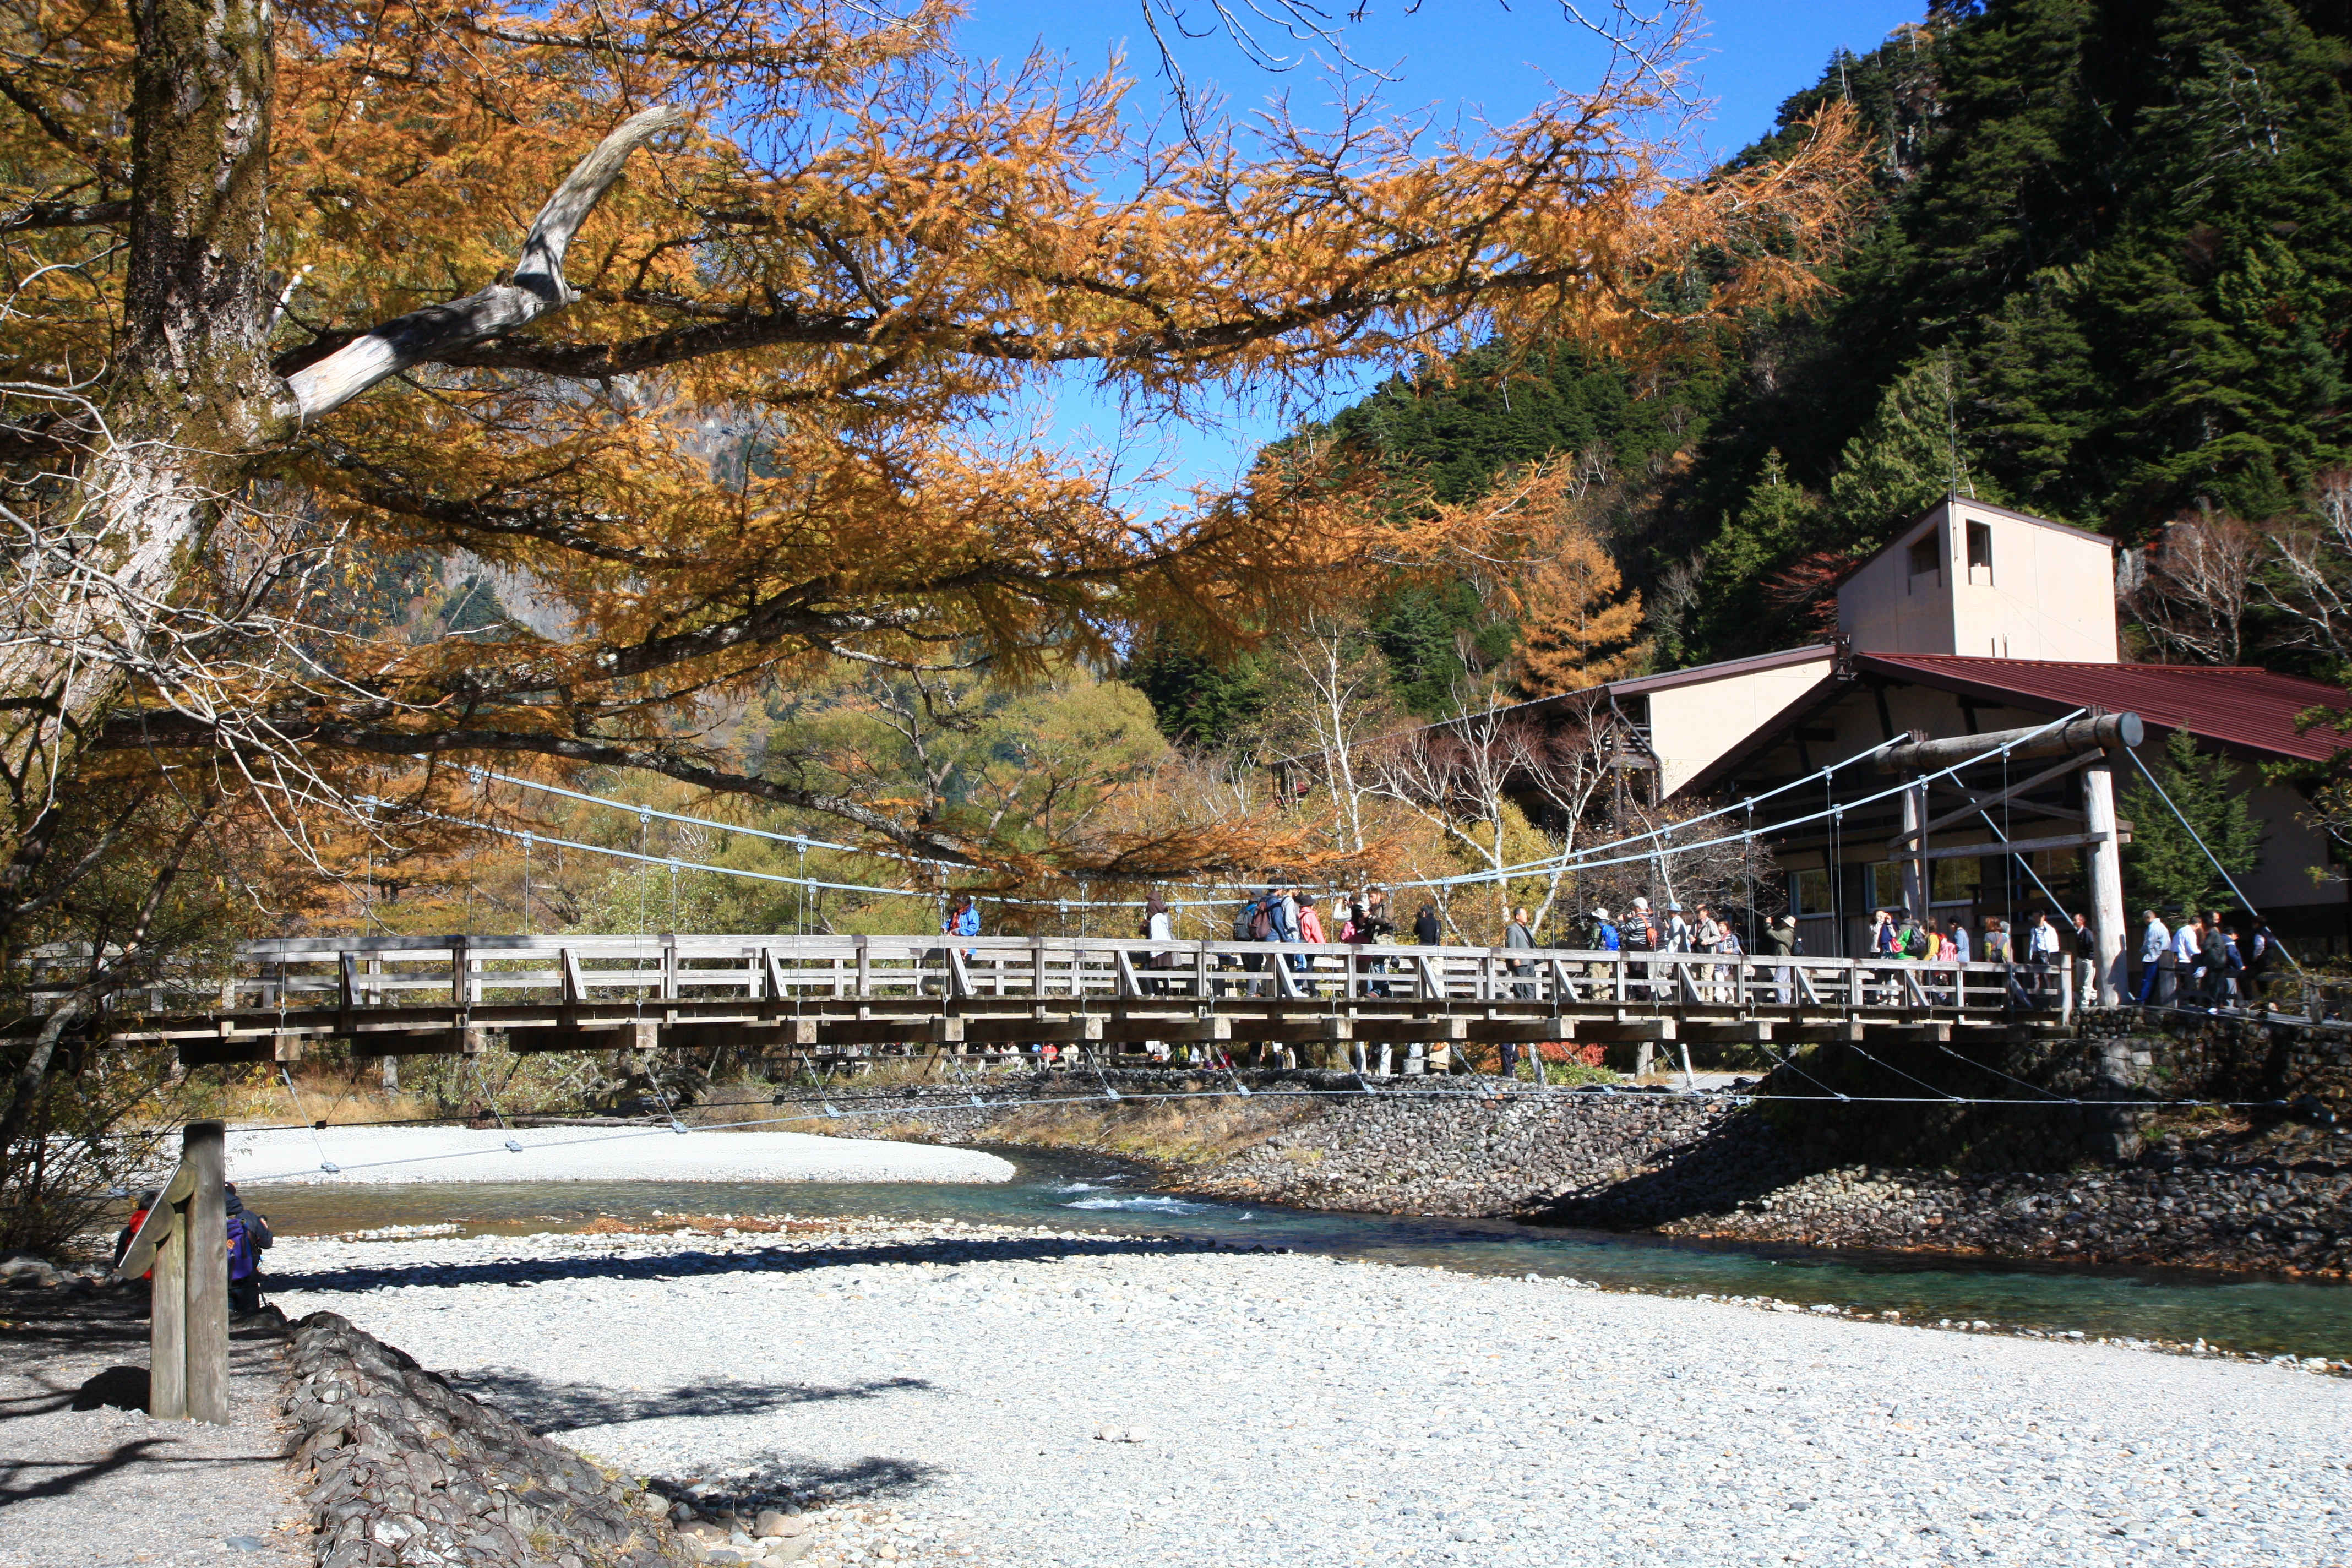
(417, 995)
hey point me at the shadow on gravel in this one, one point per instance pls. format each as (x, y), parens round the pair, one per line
(73, 1476)
(123, 1387)
(546, 1406)
(773, 1478)
(767, 1260)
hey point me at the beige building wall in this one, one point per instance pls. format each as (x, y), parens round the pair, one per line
(2293, 846)
(2047, 591)
(1692, 725)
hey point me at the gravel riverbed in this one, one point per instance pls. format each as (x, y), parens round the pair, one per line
(939, 1393)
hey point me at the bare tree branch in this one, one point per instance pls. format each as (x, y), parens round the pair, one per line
(537, 288)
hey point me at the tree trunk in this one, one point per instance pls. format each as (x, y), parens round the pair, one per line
(195, 401)
(192, 398)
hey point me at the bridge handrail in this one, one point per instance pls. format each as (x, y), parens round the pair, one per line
(290, 950)
(360, 972)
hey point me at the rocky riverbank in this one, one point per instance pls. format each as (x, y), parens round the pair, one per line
(2057, 1151)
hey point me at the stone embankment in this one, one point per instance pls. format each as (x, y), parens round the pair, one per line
(405, 1470)
(1462, 1153)
(2252, 1219)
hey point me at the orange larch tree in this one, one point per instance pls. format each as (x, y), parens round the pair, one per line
(690, 324)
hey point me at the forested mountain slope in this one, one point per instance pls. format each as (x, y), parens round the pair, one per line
(2106, 277)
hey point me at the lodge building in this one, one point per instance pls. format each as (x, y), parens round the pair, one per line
(1978, 619)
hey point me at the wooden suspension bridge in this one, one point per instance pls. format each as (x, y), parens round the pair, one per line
(992, 996)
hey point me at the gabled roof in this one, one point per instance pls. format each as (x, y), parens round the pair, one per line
(1953, 498)
(1902, 536)
(1641, 685)
(2235, 706)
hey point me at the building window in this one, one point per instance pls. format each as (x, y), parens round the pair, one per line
(1980, 554)
(1955, 880)
(1926, 557)
(1886, 885)
(1808, 892)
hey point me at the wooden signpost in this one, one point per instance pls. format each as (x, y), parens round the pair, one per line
(184, 1239)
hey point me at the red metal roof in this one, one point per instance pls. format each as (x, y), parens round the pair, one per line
(2231, 705)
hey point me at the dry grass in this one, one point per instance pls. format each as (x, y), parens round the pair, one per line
(1189, 1133)
(256, 1100)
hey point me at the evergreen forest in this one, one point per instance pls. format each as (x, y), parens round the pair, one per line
(2103, 275)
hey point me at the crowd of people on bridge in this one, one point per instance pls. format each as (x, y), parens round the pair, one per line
(2203, 961)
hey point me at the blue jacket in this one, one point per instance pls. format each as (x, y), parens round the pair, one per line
(1610, 941)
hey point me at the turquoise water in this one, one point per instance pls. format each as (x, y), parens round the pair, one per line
(2269, 1317)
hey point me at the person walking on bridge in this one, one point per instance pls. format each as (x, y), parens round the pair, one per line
(2042, 943)
(1371, 925)
(2261, 948)
(2086, 959)
(1708, 936)
(2188, 948)
(1159, 925)
(1426, 931)
(2155, 945)
(1885, 941)
(1640, 935)
(1246, 926)
(1310, 934)
(2213, 962)
(1604, 939)
(1779, 942)
(1519, 933)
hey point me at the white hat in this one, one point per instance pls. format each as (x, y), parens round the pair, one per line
(1601, 914)
(1641, 903)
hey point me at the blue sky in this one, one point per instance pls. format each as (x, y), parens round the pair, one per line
(1471, 56)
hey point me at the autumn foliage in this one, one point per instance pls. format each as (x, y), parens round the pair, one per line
(767, 437)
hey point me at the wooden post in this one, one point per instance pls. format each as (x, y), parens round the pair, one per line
(184, 1240)
(167, 1338)
(1918, 889)
(207, 1260)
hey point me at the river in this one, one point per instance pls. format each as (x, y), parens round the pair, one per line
(1089, 1192)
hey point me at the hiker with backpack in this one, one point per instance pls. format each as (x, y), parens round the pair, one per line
(248, 1239)
(147, 1200)
(1603, 938)
(1248, 920)
(1639, 934)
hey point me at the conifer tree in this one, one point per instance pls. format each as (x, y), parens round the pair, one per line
(718, 411)
(2163, 863)
(1908, 457)
(1776, 524)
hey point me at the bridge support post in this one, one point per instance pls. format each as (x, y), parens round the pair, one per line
(1918, 890)
(2103, 861)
